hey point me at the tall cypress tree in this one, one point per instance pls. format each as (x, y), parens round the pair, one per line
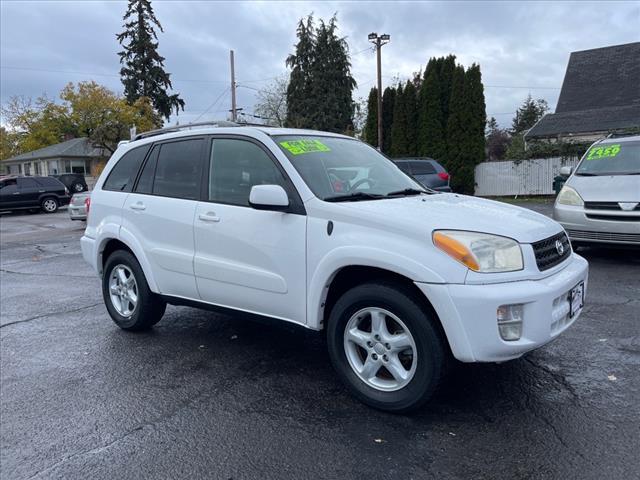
(447, 67)
(474, 94)
(431, 134)
(299, 90)
(371, 123)
(411, 109)
(398, 128)
(142, 71)
(457, 133)
(388, 102)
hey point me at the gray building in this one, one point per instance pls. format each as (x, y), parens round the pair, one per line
(77, 155)
(600, 95)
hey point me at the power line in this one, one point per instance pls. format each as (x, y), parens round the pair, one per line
(213, 104)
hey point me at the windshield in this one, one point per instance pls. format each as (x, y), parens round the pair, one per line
(339, 168)
(611, 159)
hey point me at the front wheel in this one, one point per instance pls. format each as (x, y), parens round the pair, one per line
(385, 347)
(130, 302)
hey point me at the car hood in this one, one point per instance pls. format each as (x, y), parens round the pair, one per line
(455, 212)
(610, 188)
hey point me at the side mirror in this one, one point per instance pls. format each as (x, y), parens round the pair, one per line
(269, 197)
(566, 171)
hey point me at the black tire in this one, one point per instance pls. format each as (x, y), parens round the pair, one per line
(431, 350)
(149, 308)
(49, 205)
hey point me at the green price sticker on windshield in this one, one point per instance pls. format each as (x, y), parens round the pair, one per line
(298, 147)
(605, 151)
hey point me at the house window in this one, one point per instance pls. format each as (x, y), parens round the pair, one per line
(53, 167)
(37, 169)
(75, 166)
(27, 168)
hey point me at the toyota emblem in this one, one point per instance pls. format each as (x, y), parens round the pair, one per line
(559, 247)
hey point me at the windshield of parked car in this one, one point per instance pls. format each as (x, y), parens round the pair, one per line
(337, 169)
(611, 159)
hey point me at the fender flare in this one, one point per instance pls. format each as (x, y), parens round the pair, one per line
(348, 256)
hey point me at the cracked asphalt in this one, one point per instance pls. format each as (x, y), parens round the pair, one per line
(205, 395)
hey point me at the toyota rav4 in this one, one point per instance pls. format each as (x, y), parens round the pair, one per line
(323, 231)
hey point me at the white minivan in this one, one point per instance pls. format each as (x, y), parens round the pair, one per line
(321, 230)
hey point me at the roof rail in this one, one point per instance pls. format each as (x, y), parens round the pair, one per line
(187, 126)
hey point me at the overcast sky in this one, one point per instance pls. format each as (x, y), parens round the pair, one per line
(521, 47)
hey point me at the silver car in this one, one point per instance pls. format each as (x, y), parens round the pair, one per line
(78, 206)
(600, 201)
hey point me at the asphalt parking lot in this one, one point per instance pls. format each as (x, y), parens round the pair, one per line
(205, 395)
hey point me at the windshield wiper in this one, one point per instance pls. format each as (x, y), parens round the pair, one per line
(406, 191)
(354, 197)
(587, 174)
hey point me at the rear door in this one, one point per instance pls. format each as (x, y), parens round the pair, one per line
(29, 191)
(248, 259)
(9, 194)
(159, 213)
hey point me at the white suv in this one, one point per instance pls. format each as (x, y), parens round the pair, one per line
(321, 230)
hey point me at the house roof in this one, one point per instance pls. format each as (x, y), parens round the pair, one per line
(600, 92)
(76, 147)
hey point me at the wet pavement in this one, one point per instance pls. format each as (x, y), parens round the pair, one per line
(205, 395)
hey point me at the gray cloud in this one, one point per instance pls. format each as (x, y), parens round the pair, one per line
(517, 44)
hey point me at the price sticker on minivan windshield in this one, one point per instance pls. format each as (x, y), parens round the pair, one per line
(604, 151)
(298, 147)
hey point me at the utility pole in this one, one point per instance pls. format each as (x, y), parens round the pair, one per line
(379, 41)
(234, 113)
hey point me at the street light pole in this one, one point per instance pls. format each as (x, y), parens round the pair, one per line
(379, 41)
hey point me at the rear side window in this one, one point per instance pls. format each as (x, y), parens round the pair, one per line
(49, 182)
(179, 169)
(27, 183)
(404, 166)
(422, 168)
(124, 173)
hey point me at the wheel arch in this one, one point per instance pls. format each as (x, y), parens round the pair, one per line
(350, 276)
(111, 244)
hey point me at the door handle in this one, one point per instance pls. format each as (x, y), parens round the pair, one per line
(16, 193)
(137, 206)
(209, 217)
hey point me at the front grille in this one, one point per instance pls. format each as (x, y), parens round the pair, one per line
(614, 218)
(604, 236)
(606, 206)
(547, 255)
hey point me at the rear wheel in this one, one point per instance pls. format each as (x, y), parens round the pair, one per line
(49, 205)
(130, 302)
(385, 347)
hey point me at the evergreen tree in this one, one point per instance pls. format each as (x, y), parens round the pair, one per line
(320, 86)
(528, 114)
(371, 124)
(411, 108)
(388, 102)
(398, 128)
(497, 140)
(477, 117)
(332, 84)
(142, 71)
(403, 129)
(457, 134)
(431, 134)
(447, 68)
(299, 89)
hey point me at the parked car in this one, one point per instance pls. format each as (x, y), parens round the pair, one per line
(321, 230)
(79, 205)
(32, 193)
(600, 201)
(427, 171)
(75, 182)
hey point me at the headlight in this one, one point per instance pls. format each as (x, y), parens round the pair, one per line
(481, 252)
(568, 196)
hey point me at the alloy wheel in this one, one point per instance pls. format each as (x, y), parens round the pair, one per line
(123, 290)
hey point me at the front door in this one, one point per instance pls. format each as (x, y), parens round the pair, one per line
(251, 260)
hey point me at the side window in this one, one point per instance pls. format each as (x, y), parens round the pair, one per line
(145, 182)
(26, 183)
(47, 182)
(404, 166)
(124, 173)
(422, 168)
(179, 169)
(235, 167)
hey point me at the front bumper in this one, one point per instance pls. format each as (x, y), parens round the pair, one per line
(468, 312)
(617, 227)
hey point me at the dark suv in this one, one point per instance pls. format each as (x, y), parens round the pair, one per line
(32, 193)
(75, 182)
(427, 171)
